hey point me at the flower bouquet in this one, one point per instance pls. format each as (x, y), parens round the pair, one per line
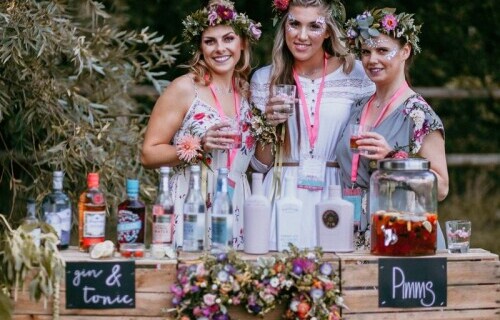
(206, 289)
(315, 293)
(267, 286)
(261, 130)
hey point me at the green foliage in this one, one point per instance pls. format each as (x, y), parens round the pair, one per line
(66, 68)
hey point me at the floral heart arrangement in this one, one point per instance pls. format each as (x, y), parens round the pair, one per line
(307, 286)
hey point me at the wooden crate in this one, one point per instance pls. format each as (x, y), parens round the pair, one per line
(152, 286)
(473, 288)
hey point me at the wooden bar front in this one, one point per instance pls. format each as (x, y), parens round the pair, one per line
(473, 290)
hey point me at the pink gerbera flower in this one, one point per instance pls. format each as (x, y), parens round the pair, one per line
(188, 148)
(281, 5)
(389, 22)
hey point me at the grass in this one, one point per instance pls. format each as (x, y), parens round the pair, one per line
(475, 196)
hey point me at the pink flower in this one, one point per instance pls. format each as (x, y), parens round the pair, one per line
(400, 155)
(249, 142)
(188, 148)
(212, 18)
(281, 5)
(255, 31)
(389, 22)
(199, 116)
(209, 299)
(225, 13)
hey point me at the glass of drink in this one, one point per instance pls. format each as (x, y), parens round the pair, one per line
(356, 132)
(233, 131)
(287, 93)
(458, 234)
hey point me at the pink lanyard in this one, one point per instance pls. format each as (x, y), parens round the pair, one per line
(364, 115)
(312, 129)
(236, 97)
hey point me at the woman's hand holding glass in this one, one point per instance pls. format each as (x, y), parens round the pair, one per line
(223, 136)
(281, 105)
(374, 145)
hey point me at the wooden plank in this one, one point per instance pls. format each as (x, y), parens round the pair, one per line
(476, 314)
(459, 297)
(71, 317)
(459, 272)
(146, 304)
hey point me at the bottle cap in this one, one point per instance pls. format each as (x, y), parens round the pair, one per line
(195, 168)
(93, 180)
(57, 174)
(132, 186)
(223, 170)
(164, 170)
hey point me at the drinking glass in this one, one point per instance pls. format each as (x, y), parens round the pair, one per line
(233, 131)
(287, 92)
(355, 133)
(458, 234)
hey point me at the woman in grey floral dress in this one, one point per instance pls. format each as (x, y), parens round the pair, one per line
(401, 118)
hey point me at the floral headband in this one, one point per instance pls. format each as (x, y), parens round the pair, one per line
(376, 21)
(281, 6)
(220, 13)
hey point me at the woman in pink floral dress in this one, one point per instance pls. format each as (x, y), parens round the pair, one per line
(196, 108)
(401, 118)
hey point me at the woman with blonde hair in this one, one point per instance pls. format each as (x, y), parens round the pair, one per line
(308, 52)
(190, 121)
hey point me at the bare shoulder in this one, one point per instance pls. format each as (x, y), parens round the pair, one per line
(179, 93)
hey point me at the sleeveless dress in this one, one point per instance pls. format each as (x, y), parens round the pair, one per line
(339, 93)
(406, 126)
(199, 117)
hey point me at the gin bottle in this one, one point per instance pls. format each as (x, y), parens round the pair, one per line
(56, 210)
(31, 224)
(194, 215)
(91, 214)
(288, 215)
(131, 216)
(163, 211)
(222, 216)
(257, 219)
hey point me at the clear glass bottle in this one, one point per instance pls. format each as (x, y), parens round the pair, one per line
(163, 211)
(403, 207)
(288, 215)
(257, 219)
(56, 210)
(31, 224)
(91, 214)
(335, 222)
(131, 216)
(222, 216)
(194, 215)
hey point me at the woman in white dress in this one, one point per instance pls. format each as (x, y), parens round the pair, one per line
(307, 52)
(200, 102)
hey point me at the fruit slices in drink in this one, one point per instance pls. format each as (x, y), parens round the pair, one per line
(403, 234)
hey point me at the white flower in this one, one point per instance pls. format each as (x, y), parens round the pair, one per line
(275, 282)
(418, 117)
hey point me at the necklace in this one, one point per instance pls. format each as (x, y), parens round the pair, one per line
(223, 90)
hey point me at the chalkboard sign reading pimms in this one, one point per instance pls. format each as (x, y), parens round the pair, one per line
(100, 285)
(412, 282)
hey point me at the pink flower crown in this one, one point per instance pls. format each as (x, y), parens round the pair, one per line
(220, 13)
(376, 21)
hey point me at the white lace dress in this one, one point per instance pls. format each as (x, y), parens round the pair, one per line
(198, 119)
(339, 93)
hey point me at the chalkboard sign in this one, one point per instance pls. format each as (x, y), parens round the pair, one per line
(412, 282)
(100, 285)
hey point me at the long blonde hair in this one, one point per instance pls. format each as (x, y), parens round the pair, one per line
(282, 61)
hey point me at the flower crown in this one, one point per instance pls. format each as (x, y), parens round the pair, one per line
(220, 13)
(281, 6)
(376, 21)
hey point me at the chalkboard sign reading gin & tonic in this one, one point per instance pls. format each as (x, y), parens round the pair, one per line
(100, 285)
(412, 282)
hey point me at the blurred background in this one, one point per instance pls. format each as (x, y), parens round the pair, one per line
(457, 72)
